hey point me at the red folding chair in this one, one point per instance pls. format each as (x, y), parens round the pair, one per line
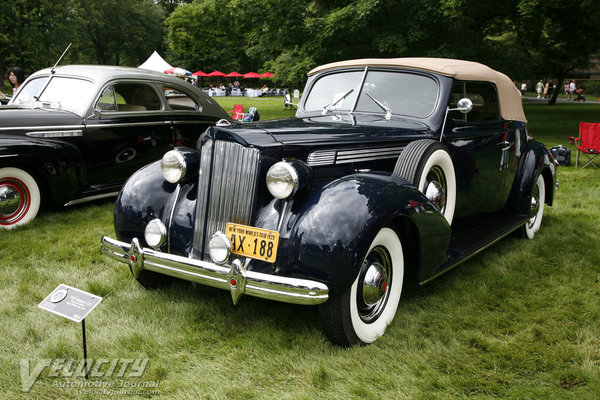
(588, 142)
(237, 112)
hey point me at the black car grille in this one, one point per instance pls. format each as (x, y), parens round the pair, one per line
(226, 189)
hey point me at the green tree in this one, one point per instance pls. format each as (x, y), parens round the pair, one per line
(119, 31)
(527, 38)
(33, 32)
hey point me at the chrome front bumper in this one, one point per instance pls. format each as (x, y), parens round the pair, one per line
(233, 277)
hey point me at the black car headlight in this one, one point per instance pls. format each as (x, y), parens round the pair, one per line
(286, 177)
(173, 166)
(178, 164)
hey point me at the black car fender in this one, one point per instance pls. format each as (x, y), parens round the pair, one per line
(56, 166)
(146, 195)
(328, 236)
(535, 160)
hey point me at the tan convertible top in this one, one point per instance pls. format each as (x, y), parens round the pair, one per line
(511, 107)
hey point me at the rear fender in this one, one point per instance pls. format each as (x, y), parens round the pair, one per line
(536, 160)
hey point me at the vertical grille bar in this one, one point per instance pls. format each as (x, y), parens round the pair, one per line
(226, 189)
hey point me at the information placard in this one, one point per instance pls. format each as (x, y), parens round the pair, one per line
(69, 302)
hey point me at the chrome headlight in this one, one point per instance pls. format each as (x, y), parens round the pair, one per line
(282, 180)
(173, 166)
(155, 233)
(219, 248)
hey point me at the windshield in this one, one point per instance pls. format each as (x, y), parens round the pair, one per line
(400, 93)
(72, 94)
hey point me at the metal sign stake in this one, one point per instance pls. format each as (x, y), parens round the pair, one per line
(84, 349)
(73, 304)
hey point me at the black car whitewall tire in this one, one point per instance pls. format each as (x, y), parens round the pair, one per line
(358, 317)
(536, 212)
(427, 165)
(20, 200)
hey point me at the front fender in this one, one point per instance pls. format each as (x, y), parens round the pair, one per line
(328, 236)
(56, 166)
(145, 196)
(536, 160)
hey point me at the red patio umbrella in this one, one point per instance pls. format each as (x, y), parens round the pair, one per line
(251, 75)
(200, 73)
(266, 75)
(216, 73)
(233, 74)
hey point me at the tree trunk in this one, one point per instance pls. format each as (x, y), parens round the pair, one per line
(558, 87)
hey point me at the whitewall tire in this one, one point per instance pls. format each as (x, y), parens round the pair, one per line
(363, 312)
(536, 212)
(19, 197)
(427, 165)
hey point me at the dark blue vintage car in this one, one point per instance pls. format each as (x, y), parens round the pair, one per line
(392, 168)
(76, 133)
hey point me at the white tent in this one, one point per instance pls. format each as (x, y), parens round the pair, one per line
(155, 63)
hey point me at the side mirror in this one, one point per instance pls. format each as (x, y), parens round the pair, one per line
(464, 105)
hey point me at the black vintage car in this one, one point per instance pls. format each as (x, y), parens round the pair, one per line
(392, 168)
(76, 133)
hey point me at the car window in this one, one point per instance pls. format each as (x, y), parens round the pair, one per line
(484, 98)
(128, 97)
(107, 101)
(402, 93)
(68, 93)
(179, 100)
(331, 89)
(405, 94)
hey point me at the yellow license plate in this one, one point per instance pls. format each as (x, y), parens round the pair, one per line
(248, 241)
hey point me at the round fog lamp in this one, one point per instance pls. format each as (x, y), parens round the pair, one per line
(155, 233)
(282, 180)
(173, 166)
(219, 248)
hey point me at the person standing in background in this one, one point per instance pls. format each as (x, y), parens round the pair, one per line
(16, 77)
(572, 89)
(538, 88)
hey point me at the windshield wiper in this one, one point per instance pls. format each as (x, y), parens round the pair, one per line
(327, 108)
(388, 111)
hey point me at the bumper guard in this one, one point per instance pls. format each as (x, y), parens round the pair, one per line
(234, 277)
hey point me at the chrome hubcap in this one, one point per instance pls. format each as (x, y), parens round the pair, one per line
(374, 284)
(435, 188)
(14, 200)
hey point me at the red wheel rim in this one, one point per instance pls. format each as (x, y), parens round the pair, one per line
(15, 186)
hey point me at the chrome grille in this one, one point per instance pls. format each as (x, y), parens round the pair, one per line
(226, 189)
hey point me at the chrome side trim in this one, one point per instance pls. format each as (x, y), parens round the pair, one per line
(55, 134)
(44, 128)
(91, 198)
(336, 157)
(233, 277)
(122, 125)
(185, 122)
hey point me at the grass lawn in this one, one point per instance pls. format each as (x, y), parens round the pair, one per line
(519, 321)
(268, 107)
